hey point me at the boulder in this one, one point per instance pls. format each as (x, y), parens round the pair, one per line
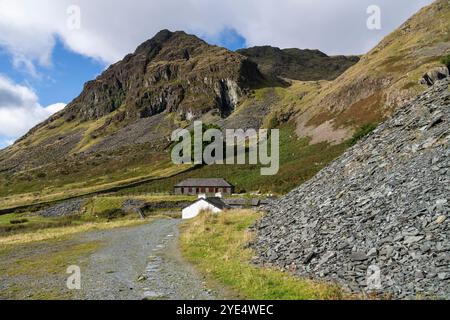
(434, 75)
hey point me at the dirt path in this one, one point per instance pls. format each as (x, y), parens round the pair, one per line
(141, 262)
(133, 263)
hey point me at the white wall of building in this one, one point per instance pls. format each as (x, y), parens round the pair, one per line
(194, 209)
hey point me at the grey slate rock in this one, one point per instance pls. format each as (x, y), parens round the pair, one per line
(383, 204)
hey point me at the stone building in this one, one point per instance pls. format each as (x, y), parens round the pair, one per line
(203, 186)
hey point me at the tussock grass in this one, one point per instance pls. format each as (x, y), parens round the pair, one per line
(216, 244)
(26, 222)
(361, 133)
(446, 60)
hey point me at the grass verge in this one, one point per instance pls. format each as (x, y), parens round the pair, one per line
(55, 233)
(216, 245)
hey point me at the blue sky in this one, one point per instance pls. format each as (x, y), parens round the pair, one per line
(61, 81)
(228, 38)
(45, 58)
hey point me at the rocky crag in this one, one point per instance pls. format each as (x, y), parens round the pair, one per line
(298, 64)
(384, 205)
(173, 72)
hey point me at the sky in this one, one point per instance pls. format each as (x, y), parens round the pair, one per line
(50, 48)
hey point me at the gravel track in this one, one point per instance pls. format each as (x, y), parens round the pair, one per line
(140, 262)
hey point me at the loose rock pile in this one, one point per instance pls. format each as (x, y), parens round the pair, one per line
(377, 219)
(66, 208)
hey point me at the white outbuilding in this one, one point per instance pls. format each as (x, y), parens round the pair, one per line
(215, 205)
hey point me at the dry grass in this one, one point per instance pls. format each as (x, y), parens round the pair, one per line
(53, 262)
(56, 233)
(216, 244)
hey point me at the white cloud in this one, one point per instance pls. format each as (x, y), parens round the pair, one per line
(53, 108)
(20, 109)
(112, 28)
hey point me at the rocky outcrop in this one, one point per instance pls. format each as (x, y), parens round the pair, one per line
(297, 64)
(173, 71)
(382, 209)
(434, 75)
(63, 209)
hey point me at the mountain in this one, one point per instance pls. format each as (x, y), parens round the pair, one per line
(383, 205)
(118, 129)
(116, 133)
(297, 64)
(172, 71)
(384, 79)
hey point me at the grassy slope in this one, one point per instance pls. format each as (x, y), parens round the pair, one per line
(80, 173)
(216, 244)
(385, 77)
(299, 161)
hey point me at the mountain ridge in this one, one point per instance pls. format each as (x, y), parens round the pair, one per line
(384, 78)
(298, 64)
